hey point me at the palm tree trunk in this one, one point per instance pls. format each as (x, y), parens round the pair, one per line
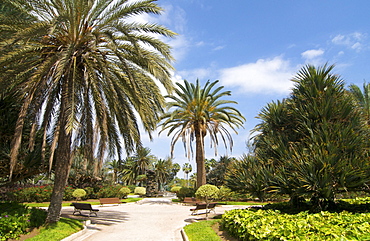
(199, 158)
(62, 162)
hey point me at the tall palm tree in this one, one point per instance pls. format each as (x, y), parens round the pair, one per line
(187, 168)
(362, 98)
(87, 72)
(196, 111)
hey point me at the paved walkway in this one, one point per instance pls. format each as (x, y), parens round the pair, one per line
(151, 219)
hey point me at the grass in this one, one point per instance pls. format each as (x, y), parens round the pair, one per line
(58, 231)
(66, 204)
(202, 231)
(241, 203)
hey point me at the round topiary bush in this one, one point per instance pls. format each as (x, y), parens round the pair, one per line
(175, 189)
(124, 191)
(79, 193)
(207, 192)
(140, 191)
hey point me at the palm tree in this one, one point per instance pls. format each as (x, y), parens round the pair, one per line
(128, 171)
(195, 112)
(143, 160)
(115, 166)
(162, 170)
(362, 98)
(186, 168)
(86, 74)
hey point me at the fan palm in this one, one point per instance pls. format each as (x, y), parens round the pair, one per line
(87, 72)
(195, 112)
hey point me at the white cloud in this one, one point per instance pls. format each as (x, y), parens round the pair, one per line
(264, 76)
(200, 73)
(218, 48)
(353, 41)
(312, 54)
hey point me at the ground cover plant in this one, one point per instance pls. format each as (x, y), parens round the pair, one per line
(274, 225)
(284, 221)
(17, 219)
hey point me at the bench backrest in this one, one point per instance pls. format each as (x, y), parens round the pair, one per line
(109, 200)
(204, 205)
(86, 206)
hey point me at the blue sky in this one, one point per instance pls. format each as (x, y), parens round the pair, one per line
(255, 47)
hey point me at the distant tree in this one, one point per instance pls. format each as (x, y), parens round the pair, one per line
(163, 170)
(217, 175)
(196, 111)
(187, 168)
(116, 167)
(209, 164)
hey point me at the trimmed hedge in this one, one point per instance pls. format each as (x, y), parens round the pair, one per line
(273, 225)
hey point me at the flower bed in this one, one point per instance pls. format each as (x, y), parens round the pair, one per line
(17, 219)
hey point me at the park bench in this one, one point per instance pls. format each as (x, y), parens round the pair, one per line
(84, 206)
(110, 200)
(203, 206)
(190, 200)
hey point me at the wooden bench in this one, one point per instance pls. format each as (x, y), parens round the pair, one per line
(203, 206)
(110, 200)
(191, 201)
(84, 206)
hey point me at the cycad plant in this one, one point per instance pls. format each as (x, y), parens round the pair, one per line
(314, 143)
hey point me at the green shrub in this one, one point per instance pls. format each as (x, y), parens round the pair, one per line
(132, 188)
(90, 193)
(185, 192)
(16, 219)
(140, 191)
(124, 191)
(109, 191)
(273, 225)
(175, 189)
(224, 194)
(207, 192)
(79, 193)
(31, 194)
(68, 191)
